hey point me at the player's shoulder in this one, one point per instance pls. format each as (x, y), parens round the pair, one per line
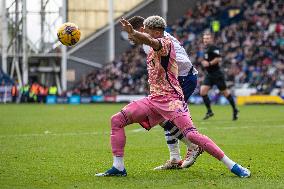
(165, 40)
(174, 40)
(165, 44)
(213, 47)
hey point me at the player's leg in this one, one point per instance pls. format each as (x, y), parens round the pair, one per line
(135, 112)
(204, 89)
(188, 85)
(186, 125)
(173, 134)
(231, 100)
(204, 94)
(221, 84)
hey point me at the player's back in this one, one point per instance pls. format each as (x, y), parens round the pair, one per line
(182, 57)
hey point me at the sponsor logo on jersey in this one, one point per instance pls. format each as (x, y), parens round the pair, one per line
(216, 51)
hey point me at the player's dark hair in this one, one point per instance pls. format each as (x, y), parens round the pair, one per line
(136, 22)
(207, 32)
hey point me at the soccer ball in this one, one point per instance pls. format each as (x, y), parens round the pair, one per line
(68, 34)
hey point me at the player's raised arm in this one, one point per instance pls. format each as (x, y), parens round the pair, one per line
(139, 36)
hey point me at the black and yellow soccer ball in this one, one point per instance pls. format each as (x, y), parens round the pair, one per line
(68, 34)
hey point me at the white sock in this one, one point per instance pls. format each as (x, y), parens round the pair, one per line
(118, 163)
(173, 148)
(174, 151)
(228, 162)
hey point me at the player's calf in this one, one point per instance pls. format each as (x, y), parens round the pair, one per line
(235, 114)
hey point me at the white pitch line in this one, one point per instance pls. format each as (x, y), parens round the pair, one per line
(51, 134)
(224, 121)
(48, 133)
(138, 130)
(240, 127)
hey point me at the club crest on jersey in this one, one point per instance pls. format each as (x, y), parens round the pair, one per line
(205, 56)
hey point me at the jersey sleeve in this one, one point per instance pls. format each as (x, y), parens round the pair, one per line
(164, 47)
(215, 51)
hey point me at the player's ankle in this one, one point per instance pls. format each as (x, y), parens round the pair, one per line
(120, 168)
(175, 158)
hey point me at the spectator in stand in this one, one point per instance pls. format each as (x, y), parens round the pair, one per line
(43, 92)
(253, 45)
(52, 90)
(15, 91)
(25, 93)
(34, 91)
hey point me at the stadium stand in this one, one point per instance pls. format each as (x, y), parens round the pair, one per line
(5, 79)
(251, 35)
(127, 75)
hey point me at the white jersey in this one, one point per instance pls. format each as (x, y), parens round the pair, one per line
(183, 62)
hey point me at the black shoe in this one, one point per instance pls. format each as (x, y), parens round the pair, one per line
(208, 115)
(235, 114)
(112, 172)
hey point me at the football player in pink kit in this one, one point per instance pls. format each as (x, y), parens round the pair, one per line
(187, 77)
(164, 102)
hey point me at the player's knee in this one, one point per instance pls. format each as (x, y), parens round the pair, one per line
(118, 120)
(225, 92)
(203, 92)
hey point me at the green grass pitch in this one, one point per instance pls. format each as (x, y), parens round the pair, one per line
(63, 146)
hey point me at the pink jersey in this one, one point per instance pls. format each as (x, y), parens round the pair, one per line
(163, 73)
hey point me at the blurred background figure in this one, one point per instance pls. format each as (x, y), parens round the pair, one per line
(250, 34)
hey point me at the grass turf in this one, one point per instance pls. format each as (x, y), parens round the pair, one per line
(63, 146)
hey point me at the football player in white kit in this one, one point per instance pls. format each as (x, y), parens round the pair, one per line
(188, 81)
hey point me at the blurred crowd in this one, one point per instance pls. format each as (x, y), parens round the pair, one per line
(252, 47)
(35, 92)
(249, 33)
(128, 75)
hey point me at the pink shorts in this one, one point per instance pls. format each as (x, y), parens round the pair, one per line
(149, 112)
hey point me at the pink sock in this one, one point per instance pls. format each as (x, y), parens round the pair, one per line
(191, 133)
(206, 143)
(117, 136)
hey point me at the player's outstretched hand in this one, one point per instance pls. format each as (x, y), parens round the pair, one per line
(126, 26)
